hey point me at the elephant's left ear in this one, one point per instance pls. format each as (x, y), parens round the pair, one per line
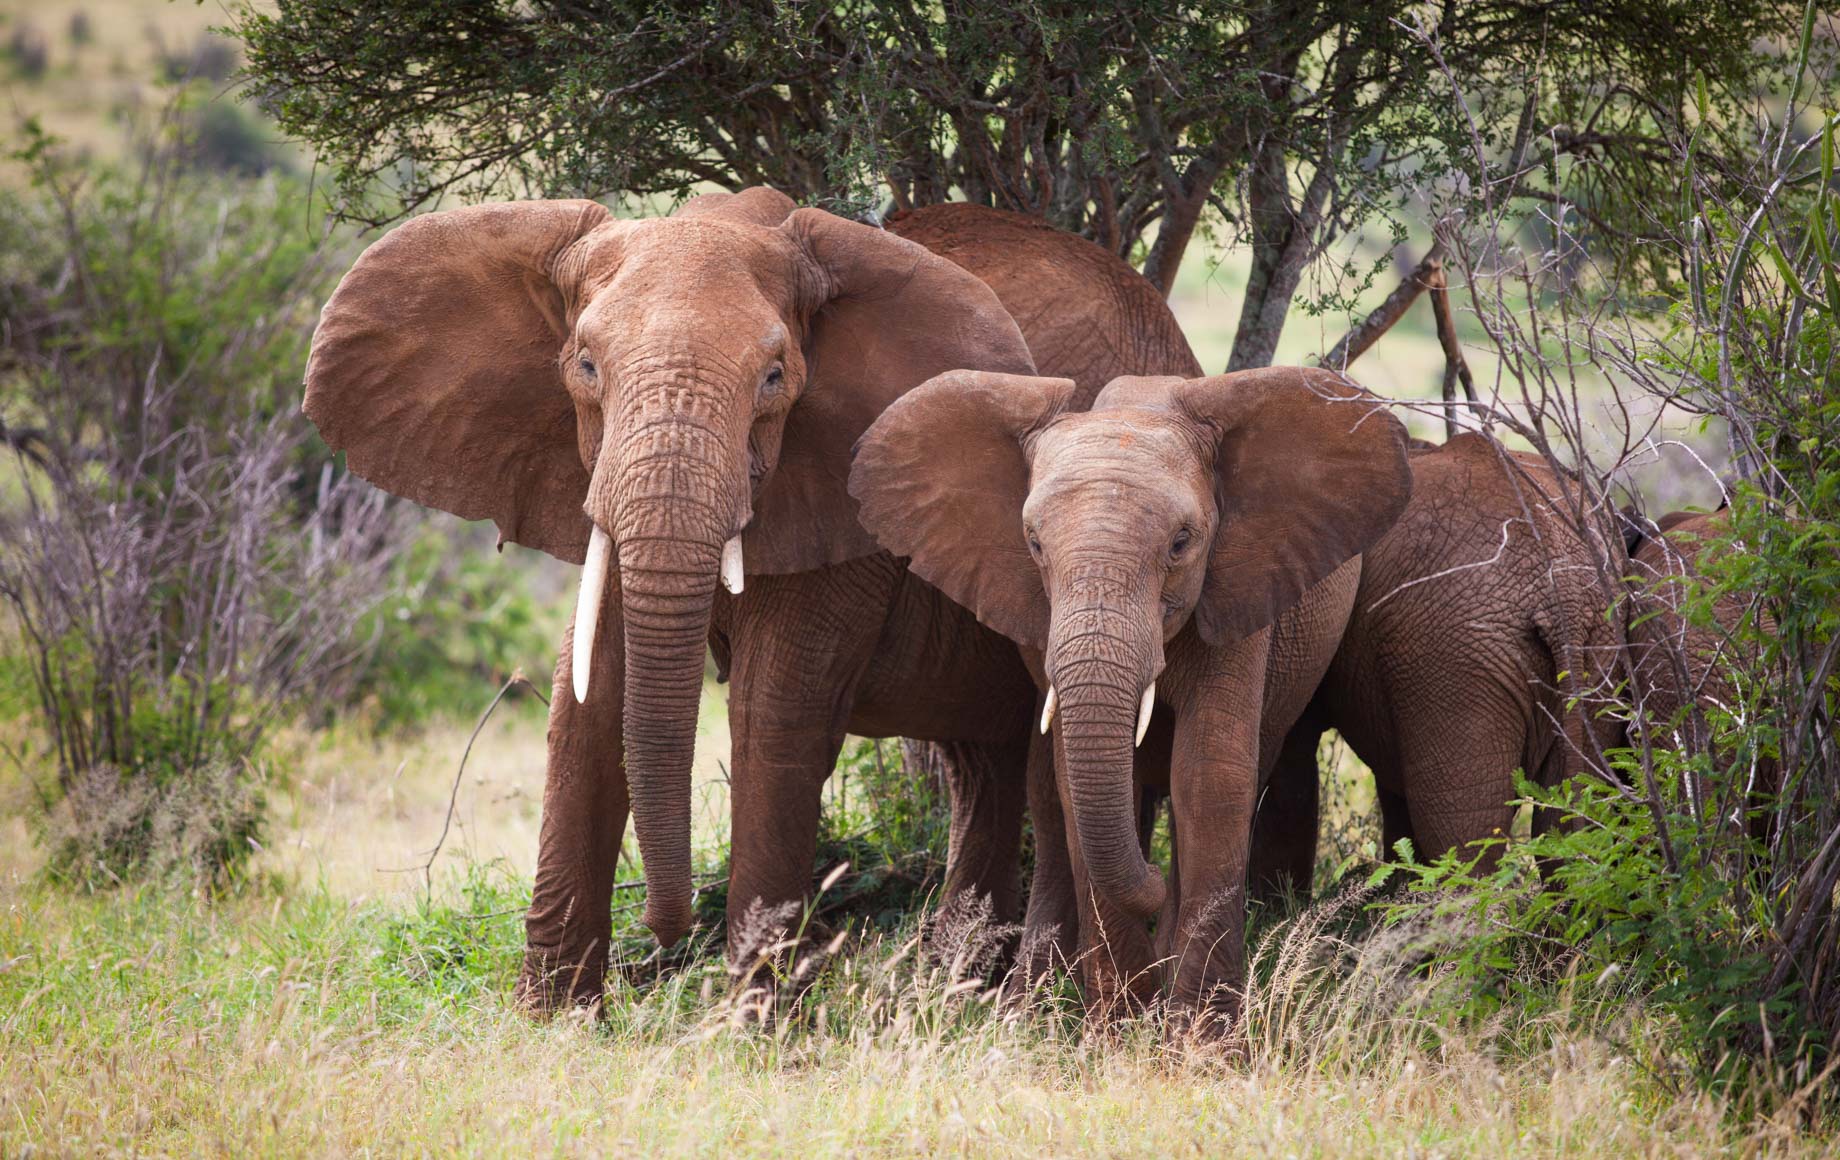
(942, 477)
(1310, 471)
(888, 315)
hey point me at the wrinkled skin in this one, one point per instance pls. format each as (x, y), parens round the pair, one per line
(678, 382)
(1682, 667)
(1478, 618)
(1156, 538)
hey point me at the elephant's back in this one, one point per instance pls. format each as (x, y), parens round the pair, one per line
(1664, 565)
(1470, 569)
(1085, 313)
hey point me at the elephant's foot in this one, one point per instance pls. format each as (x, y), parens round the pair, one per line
(1046, 951)
(554, 980)
(1207, 1031)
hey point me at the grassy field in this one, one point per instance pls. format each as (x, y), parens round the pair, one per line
(337, 1005)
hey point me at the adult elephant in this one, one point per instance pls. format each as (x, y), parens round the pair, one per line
(1141, 553)
(1483, 640)
(680, 395)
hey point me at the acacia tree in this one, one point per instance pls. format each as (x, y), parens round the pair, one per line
(1284, 124)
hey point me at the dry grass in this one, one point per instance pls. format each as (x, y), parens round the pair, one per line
(330, 1008)
(173, 1025)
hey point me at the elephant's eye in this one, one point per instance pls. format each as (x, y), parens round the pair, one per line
(1034, 542)
(770, 385)
(586, 364)
(1180, 544)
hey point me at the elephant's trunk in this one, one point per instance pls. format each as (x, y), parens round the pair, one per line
(1100, 683)
(677, 500)
(667, 590)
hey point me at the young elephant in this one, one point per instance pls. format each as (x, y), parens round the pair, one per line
(1476, 647)
(1140, 553)
(1681, 666)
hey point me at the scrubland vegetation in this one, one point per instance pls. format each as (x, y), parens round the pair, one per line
(235, 686)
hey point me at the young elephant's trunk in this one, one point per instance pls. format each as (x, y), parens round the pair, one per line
(1101, 701)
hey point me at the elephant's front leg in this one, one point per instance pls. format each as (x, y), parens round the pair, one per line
(585, 804)
(988, 785)
(801, 644)
(1214, 779)
(1051, 928)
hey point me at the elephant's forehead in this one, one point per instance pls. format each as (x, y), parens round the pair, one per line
(1132, 439)
(1121, 461)
(701, 257)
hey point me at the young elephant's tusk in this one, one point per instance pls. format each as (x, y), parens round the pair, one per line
(588, 607)
(732, 573)
(1143, 713)
(1047, 711)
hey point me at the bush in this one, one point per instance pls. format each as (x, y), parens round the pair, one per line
(459, 619)
(177, 581)
(30, 53)
(200, 821)
(1698, 867)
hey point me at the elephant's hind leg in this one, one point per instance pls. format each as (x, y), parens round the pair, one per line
(1284, 829)
(984, 856)
(1459, 777)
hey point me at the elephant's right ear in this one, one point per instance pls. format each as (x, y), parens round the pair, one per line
(435, 368)
(1310, 470)
(942, 476)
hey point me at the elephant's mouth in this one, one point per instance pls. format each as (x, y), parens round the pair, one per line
(592, 596)
(1143, 711)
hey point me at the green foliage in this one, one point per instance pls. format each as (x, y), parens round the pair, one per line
(891, 824)
(1700, 873)
(177, 577)
(452, 951)
(1284, 125)
(1614, 909)
(460, 618)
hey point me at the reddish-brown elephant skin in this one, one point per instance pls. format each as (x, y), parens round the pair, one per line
(676, 383)
(1162, 537)
(1478, 645)
(1682, 667)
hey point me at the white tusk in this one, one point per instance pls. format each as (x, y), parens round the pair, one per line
(588, 607)
(1143, 713)
(732, 575)
(1047, 711)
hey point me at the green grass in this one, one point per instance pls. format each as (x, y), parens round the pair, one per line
(332, 1005)
(291, 1019)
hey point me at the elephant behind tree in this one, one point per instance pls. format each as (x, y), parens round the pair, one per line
(669, 400)
(1141, 553)
(1684, 664)
(1479, 644)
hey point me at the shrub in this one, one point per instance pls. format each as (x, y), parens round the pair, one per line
(459, 619)
(30, 53)
(177, 581)
(1697, 868)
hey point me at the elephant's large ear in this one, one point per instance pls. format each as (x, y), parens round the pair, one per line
(888, 315)
(435, 368)
(942, 477)
(1310, 471)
